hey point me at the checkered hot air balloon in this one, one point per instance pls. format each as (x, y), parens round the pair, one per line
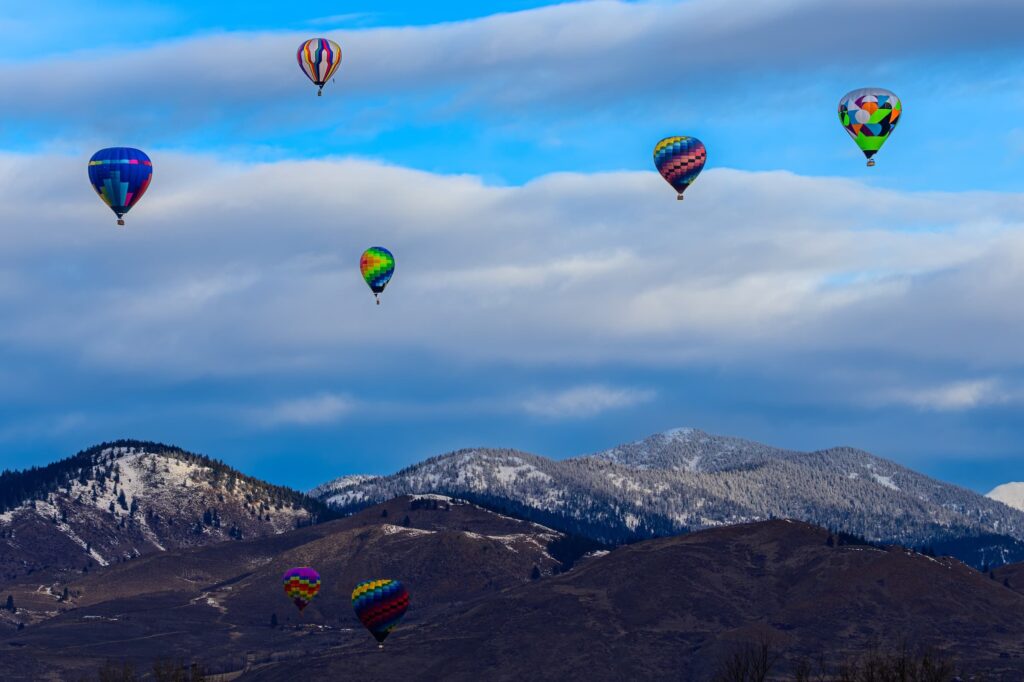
(301, 585)
(120, 176)
(319, 58)
(680, 160)
(380, 606)
(870, 115)
(377, 265)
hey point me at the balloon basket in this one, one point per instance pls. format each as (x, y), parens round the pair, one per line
(380, 646)
(871, 163)
(319, 93)
(120, 222)
(679, 197)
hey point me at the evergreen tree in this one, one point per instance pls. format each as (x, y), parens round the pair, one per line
(535, 575)
(406, 521)
(10, 603)
(273, 620)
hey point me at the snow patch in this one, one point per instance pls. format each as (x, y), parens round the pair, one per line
(885, 481)
(1010, 494)
(439, 498)
(394, 530)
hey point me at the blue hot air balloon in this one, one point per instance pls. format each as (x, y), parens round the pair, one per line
(120, 175)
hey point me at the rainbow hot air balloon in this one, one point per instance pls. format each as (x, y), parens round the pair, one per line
(680, 160)
(869, 116)
(380, 606)
(120, 175)
(319, 58)
(301, 585)
(377, 265)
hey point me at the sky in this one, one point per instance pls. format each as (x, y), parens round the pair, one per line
(550, 293)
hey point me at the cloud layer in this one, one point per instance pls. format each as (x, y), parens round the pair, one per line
(243, 269)
(571, 54)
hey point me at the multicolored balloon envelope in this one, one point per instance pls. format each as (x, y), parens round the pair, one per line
(319, 58)
(377, 265)
(680, 160)
(301, 585)
(380, 606)
(869, 116)
(120, 175)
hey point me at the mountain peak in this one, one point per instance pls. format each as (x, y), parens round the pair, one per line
(689, 449)
(681, 433)
(116, 501)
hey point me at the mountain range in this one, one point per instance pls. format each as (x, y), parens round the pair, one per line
(519, 566)
(685, 479)
(118, 501)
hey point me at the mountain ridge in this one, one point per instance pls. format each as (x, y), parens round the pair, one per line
(685, 479)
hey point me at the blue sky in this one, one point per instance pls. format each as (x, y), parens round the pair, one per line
(551, 294)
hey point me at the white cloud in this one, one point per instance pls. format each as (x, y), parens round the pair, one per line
(325, 408)
(251, 268)
(952, 397)
(584, 401)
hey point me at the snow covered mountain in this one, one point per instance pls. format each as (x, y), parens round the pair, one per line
(686, 479)
(115, 502)
(1010, 494)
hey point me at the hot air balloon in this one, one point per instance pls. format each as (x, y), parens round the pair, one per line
(377, 265)
(380, 606)
(319, 58)
(120, 175)
(869, 116)
(680, 160)
(301, 585)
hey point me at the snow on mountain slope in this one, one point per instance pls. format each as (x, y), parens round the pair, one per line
(111, 504)
(686, 479)
(339, 485)
(1010, 494)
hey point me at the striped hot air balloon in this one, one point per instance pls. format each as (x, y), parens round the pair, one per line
(380, 606)
(680, 160)
(319, 58)
(301, 585)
